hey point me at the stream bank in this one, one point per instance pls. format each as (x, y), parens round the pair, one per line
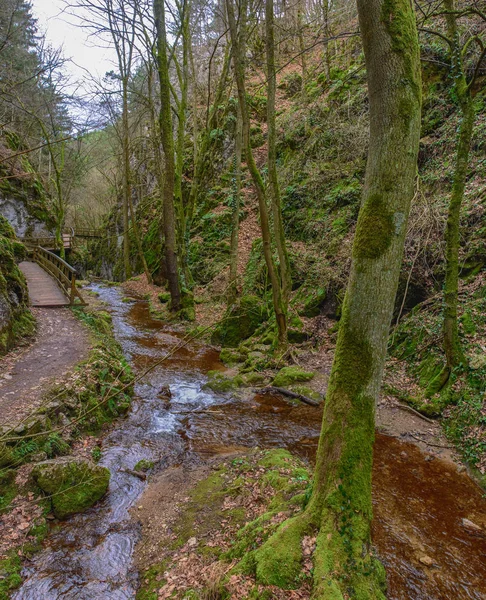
(420, 501)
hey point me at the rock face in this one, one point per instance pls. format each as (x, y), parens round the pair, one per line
(24, 223)
(15, 318)
(23, 200)
(74, 484)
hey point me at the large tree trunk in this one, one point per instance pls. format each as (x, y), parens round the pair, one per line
(168, 149)
(340, 506)
(238, 42)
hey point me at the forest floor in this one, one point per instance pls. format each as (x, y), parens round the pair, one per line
(61, 342)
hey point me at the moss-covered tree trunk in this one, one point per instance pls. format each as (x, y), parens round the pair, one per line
(184, 10)
(238, 42)
(127, 187)
(166, 134)
(138, 241)
(340, 507)
(274, 189)
(452, 346)
(235, 210)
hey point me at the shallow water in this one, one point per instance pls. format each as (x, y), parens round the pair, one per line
(419, 504)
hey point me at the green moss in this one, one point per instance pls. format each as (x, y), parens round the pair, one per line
(312, 305)
(144, 465)
(289, 375)
(8, 488)
(10, 578)
(279, 560)
(73, 484)
(375, 229)
(7, 456)
(278, 458)
(306, 391)
(240, 322)
(254, 378)
(219, 382)
(187, 311)
(16, 320)
(399, 19)
(468, 325)
(231, 357)
(164, 297)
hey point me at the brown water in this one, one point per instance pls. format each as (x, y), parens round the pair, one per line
(419, 504)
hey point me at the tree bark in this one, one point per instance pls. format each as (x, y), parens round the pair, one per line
(235, 216)
(238, 42)
(166, 134)
(127, 188)
(279, 234)
(340, 506)
(452, 345)
(183, 72)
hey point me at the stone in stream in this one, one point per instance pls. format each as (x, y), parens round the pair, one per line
(74, 484)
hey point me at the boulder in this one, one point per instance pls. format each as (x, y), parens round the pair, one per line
(74, 484)
(240, 322)
(289, 375)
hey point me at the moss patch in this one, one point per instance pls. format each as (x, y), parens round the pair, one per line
(289, 375)
(374, 230)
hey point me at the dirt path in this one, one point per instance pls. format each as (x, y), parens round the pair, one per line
(27, 373)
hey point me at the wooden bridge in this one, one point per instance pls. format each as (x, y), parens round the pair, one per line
(68, 237)
(50, 279)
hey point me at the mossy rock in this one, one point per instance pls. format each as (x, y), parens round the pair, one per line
(289, 375)
(257, 361)
(187, 311)
(74, 484)
(219, 382)
(7, 456)
(241, 321)
(312, 305)
(297, 337)
(164, 298)
(231, 357)
(306, 391)
(254, 378)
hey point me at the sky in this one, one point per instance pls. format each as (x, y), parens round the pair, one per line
(60, 30)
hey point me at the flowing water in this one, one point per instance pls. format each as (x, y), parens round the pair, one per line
(419, 504)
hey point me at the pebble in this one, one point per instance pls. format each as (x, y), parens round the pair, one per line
(426, 560)
(471, 527)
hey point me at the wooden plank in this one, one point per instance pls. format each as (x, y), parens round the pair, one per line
(43, 289)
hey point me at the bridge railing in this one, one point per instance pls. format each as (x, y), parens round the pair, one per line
(63, 273)
(45, 241)
(86, 232)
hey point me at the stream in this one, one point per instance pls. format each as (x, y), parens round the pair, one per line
(419, 503)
